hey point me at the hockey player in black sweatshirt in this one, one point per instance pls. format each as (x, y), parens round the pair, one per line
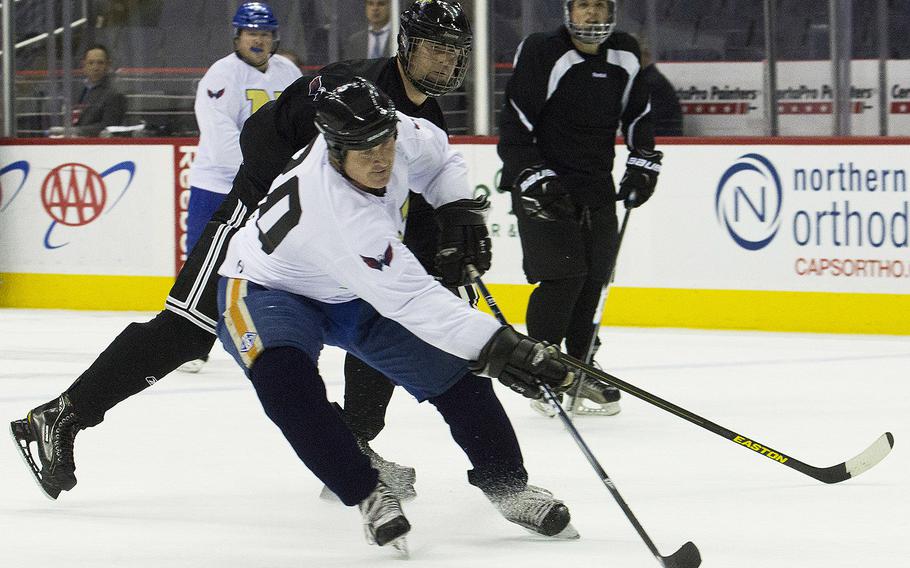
(571, 89)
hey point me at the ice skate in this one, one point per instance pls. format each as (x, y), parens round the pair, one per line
(594, 398)
(399, 479)
(193, 366)
(543, 407)
(52, 428)
(383, 520)
(535, 509)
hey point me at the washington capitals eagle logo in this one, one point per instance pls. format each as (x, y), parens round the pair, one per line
(380, 262)
(215, 94)
(316, 87)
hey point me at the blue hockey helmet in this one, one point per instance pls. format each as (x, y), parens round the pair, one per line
(256, 16)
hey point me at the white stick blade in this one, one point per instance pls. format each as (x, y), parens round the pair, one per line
(871, 456)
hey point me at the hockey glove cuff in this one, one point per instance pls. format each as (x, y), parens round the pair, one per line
(463, 239)
(520, 363)
(637, 185)
(543, 196)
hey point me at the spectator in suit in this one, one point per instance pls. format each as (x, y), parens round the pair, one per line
(100, 104)
(376, 41)
(666, 113)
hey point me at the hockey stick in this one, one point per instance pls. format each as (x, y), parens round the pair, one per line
(574, 400)
(867, 459)
(687, 556)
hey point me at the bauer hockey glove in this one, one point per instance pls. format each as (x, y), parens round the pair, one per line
(519, 362)
(463, 239)
(543, 196)
(637, 185)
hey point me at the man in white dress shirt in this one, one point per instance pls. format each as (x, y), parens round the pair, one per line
(376, 41)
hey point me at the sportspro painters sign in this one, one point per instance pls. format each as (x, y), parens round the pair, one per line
(728, 99)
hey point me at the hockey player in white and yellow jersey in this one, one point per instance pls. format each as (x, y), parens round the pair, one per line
(321, 262)
(232, 89)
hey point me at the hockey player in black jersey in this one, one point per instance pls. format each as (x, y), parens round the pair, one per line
(434, 44)
(570, 91)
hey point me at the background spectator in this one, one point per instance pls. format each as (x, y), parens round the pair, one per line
(666, 113)
(376, 41)
(99, 104)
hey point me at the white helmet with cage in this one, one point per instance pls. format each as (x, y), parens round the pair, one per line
(594, 32)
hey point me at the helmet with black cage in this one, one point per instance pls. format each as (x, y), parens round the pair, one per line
(434, 45)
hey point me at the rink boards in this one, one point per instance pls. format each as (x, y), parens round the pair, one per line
(788, 235)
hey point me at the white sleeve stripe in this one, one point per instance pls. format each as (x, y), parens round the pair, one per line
(628, 61)
(560, 68)
(522, 117)
(630, 142)
(518, 54)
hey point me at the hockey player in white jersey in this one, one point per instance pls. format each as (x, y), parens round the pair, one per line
(321, 262)
(232, 89)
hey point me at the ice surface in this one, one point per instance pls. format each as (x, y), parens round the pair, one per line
(191, 472)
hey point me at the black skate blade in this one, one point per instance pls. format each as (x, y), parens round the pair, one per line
(686, 557)
(392, 530)
(19, 432)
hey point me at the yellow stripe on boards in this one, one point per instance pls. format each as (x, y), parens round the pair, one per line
(817, 312)
(84, 292)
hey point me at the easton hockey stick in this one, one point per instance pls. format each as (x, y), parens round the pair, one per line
(867, 459)
(687, 556)
(575, 403)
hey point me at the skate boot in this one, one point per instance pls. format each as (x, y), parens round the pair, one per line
(543, 407)
(52, 427)
(535, 509)
(193, 366)
(594, 398)
(398, 478)
(383, 520)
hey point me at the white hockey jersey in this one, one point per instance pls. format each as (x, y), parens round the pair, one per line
(318, 236)
(229, 92)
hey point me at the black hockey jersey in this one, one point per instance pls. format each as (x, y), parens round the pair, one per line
(563, 109)
(282, 127)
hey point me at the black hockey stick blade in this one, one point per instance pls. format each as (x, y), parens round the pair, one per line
(686, 557)
(834, 474)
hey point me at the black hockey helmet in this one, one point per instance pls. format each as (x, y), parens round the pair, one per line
(355, 116)
(444, 27)
(591, 33)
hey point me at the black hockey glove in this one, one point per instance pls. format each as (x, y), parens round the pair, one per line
(637, 185)
(463, 239)
(543, 196)
(519, 362)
